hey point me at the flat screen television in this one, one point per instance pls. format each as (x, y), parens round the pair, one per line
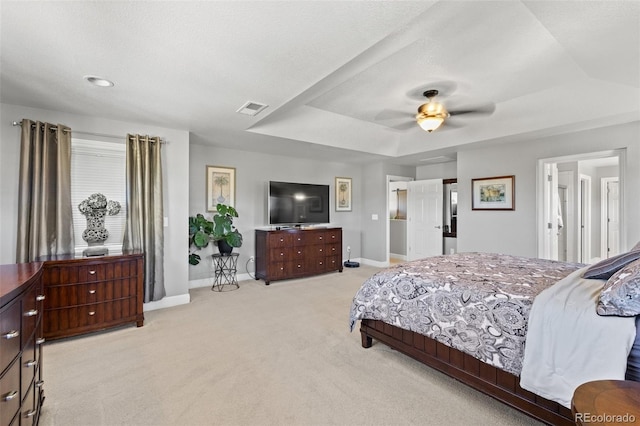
(298, 203)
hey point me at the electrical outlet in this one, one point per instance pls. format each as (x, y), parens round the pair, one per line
(348, 248)
(251, 259)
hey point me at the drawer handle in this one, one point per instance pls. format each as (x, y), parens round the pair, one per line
(92, 312)
(40, 341)
(30, 413)
(92, 272)
(299, 266)
(11, 334)
(320, 249)
(40, 298)
(281, 268)
(10, 396)
(333, 237)
(321, 263)
(320, 238)
(281, 239)
(30, 363)
(92, 292)
(39, 383)
(333, 249)
(299, 252)
(31, 313)
(281, 254)
(299, 239)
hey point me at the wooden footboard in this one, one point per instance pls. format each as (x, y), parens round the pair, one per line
(503, 386)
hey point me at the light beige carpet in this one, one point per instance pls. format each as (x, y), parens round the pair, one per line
(260, 355)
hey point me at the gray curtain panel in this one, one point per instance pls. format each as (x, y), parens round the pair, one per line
(45, 225)
(144, 228)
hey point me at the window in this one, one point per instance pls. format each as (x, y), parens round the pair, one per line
(98, 166)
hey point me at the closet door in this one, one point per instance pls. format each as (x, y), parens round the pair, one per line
(424, 218)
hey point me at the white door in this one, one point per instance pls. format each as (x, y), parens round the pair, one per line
(424, 218)
(613, 218)
(550, 208)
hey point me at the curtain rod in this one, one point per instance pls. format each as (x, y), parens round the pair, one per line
(104, 135)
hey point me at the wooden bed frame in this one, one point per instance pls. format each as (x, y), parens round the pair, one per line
(499, 384)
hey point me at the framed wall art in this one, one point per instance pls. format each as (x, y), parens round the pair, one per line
(343, 194)
(221, 186)
(493, 193)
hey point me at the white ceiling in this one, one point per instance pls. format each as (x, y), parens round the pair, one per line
(338, 76)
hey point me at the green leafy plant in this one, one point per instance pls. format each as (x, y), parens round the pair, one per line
(223, 228)
(202, 231)
(200, 234)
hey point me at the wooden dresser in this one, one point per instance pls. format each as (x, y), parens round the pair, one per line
(85, 294)
(294, 252)
(21, 384)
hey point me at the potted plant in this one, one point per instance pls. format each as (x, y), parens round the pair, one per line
(200, 234)
(224, 232)
(219, 230)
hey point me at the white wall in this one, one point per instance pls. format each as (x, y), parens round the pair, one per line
(514, 232)
(176, 194)
(253, 172)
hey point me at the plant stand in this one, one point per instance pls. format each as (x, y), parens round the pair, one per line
(225, 268)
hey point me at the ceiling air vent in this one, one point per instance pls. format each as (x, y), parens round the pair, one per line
(436, 160)
(251, 108)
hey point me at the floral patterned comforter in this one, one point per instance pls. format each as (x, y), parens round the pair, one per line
(475, 302)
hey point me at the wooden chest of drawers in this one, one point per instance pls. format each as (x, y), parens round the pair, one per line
(294, 253)
(92, 293)
(21, 306)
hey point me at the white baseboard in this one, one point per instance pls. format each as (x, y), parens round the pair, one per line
(167, 302)
(398, 256)
(375, 263)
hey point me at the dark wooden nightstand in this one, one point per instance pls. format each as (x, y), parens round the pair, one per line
(607, 402)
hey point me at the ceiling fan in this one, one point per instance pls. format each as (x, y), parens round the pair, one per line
(432, 114)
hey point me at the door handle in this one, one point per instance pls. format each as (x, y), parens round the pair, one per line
(437, 226)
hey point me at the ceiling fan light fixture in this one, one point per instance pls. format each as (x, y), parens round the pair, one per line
(429, 124)
(431, 115)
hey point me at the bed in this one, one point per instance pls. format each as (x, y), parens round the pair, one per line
(467, 315)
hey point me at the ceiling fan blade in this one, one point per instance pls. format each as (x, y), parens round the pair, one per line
(444, 88)
(486, 109)
(406, 126)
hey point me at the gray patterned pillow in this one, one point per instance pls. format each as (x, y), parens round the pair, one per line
(604, 269)
(621, 293)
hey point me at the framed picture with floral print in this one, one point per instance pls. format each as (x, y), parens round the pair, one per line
(221, 186)
(493, 193)
(343, 194)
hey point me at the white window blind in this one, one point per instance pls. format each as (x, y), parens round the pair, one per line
(98, 167)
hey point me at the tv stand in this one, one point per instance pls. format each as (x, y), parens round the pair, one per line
(296, 252)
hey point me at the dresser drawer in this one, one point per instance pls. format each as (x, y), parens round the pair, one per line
(10, 333)
(334, 263)
(279, 240)
(333, 249)
(30, 315)
(279, 254)
(29, 364)
(56, 274)
(61, 296)
(333, 236)
(10, 393)
(74, 320)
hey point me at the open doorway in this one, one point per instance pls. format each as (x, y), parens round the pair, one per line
(396, 220)
(580, 200)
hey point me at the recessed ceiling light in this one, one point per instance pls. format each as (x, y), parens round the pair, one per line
(98, 81)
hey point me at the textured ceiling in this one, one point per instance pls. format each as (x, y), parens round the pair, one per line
(340, 78)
